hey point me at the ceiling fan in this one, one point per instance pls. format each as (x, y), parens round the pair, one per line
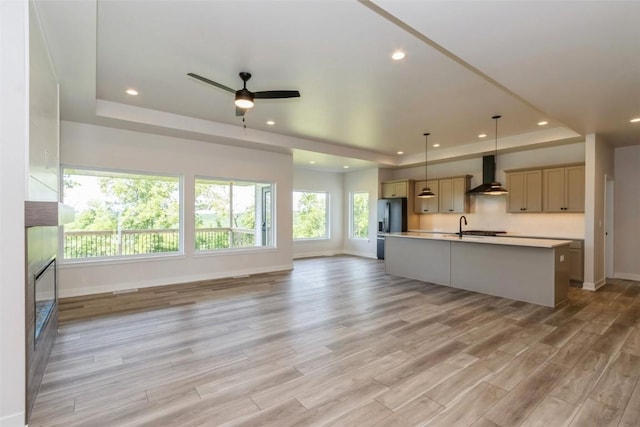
(244, 97)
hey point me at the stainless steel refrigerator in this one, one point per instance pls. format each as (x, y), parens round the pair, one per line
(392, 218)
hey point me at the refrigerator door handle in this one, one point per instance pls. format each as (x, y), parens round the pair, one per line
(387, 222)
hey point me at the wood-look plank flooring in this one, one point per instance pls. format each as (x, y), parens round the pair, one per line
(338, 342)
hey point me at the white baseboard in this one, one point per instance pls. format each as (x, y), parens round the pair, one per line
(14, 420)
(594, 286)
(315, 254)
(627, 276)
(125, 286)
(360, 254)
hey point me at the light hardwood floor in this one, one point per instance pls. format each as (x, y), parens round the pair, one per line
(337, 342)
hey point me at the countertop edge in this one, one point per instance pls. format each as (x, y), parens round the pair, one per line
(498, 240)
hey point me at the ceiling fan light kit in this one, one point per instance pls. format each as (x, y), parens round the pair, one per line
(244, 98)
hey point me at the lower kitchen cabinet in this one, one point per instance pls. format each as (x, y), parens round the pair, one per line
(576, 261)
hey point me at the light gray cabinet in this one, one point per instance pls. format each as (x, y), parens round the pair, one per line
(563, 189)
(525, 191)
(452, 194)
(394, 189)
(430, 205)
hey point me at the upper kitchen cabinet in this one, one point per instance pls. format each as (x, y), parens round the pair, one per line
(563, 189)
(395, 189)
(525, 191)
(452, 194)
(430, 205)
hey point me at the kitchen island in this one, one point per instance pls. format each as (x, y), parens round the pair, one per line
(523, 269)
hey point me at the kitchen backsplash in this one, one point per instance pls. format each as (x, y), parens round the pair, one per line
(489, 213)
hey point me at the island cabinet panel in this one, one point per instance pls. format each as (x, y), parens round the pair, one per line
(430, 205)
(527, 274)
(433, 265)
(525, 191)
(563, 189)
(530, 270)
(452, 195)
(394, 189)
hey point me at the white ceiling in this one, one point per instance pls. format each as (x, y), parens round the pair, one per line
(575, 64)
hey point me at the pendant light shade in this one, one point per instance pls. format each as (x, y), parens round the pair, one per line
(496, 188)
(426, 192)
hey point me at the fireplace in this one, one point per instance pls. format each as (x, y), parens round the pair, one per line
(45, 296)
(42, 220)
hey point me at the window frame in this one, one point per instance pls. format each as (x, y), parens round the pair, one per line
(105, 172)
(327, 216)
(272, 213)
(352, 235)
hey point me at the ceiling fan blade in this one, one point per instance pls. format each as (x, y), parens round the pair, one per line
(211, 82)
(273, 94)
(240, 111)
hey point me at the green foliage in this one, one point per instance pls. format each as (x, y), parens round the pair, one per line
(310, 215)
(108, 204)
(360, 215)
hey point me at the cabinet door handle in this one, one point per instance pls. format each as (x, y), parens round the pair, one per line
(425, 210)
(450, 210)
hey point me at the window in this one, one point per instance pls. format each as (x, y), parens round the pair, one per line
(231, 214)
(360, 215)
(120, 214)
(310, 210)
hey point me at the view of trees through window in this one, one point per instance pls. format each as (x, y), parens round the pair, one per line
(310, 215)
(360, 215)
(120, 214)
(232, 214)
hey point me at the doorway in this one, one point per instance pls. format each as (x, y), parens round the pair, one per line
(608, 224)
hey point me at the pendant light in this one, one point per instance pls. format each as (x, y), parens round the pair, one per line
(496, 188)
(426, 192)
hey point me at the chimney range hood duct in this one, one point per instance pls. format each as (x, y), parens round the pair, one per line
(488, 175)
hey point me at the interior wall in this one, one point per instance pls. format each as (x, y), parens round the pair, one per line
(309, 180)
(14, 134)
(366, 180)
(626, 213)
(490, 212)
(599, 166)
(85, 145)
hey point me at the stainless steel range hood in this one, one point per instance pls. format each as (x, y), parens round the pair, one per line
(488, 175)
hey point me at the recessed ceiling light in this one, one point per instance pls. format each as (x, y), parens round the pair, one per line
(345, 167)
(132, 92)
(400, 153)
(436, 145)
(543, 123)
(271, 122)
(482, 135)
(635, 120)
(398, 55)
(312, 162)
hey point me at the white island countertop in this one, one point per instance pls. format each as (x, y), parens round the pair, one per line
(507, 241)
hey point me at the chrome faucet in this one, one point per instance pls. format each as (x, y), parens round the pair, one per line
(460, 223)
